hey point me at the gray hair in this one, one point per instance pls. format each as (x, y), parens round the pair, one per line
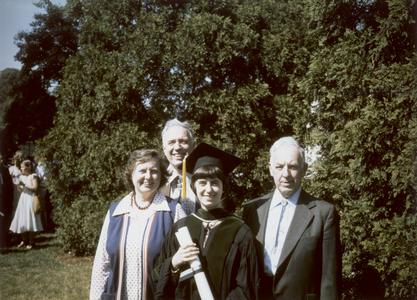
(177, 123)
(287, 141)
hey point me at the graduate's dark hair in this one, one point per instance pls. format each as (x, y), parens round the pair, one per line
(211, 172)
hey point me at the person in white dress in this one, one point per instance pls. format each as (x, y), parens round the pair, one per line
(133, 232)
(25, 222)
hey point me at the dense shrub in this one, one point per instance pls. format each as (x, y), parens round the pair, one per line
(339, 76)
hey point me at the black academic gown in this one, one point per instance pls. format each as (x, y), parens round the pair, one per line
(229, 260)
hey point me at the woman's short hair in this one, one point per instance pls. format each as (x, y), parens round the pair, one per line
(142, 156)
(211, 172)
(27, 163)
(17, 158)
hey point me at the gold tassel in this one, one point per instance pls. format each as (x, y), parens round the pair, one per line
(184, 180)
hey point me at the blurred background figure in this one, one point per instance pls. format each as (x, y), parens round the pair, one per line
(15, 172)
(25, 221)
(6, 205)
(40, 171)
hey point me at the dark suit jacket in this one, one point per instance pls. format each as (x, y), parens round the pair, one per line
(310, 263)
(6, 205)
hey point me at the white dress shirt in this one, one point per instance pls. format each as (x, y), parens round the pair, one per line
(272, 250)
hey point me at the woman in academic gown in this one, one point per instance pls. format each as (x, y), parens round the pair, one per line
(223, 243)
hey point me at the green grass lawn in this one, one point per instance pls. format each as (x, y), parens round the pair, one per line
(44, 272)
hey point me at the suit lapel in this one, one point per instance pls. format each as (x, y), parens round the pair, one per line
(262, 212)
(301, 220)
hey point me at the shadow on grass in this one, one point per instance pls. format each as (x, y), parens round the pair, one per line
(42, 240)
(45, 240)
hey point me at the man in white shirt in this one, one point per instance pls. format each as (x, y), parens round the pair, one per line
(298, 234)
(43, 193)
(178, 141)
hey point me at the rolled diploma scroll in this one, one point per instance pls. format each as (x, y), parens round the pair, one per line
(184, 238)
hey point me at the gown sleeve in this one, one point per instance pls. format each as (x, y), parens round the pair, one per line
(166, 281)
(246, 272)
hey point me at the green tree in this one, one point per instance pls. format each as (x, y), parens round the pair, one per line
(8, 78)
(361, 89)
(142, 64)
(105, 110)
(30, 113)
(26, 112)
(29, 106)
(338, 75)
(43, 51)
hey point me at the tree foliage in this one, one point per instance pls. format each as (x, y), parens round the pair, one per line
(8, 78)
(362, 90)
(43, 51)
(338, 75)
(29, 103)
(27, 110)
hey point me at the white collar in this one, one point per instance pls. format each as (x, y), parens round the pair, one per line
(174, 174)
(172, 170)
(159, 203)
(277, 198)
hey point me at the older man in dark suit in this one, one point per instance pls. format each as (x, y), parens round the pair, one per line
(298, 234)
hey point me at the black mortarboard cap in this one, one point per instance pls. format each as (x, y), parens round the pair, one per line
(205, 154)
